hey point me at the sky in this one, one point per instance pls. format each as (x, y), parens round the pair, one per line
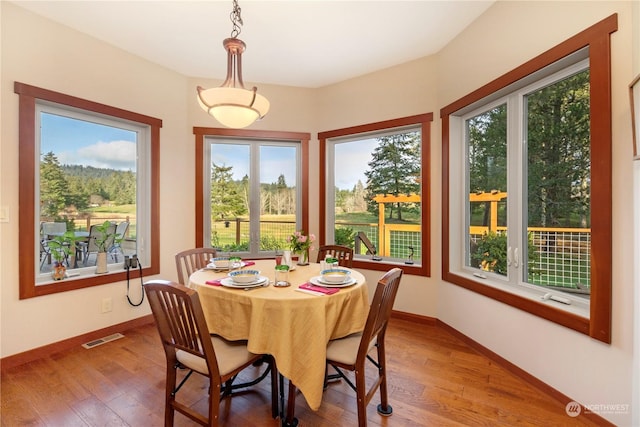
(275, 160)
(78, 142)
(351, 161)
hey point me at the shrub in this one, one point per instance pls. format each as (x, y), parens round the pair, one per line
(345, 236)
(491, 253)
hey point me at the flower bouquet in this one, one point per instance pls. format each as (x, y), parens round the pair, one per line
(300, 243)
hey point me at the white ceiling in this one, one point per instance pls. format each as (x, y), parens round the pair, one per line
(301, 43)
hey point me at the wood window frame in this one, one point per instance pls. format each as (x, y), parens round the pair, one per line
(424, 121)
(200, 135)
(597, 39)
(28, 97)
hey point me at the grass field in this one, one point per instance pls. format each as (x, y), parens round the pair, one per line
(100, 214)
(554, 269)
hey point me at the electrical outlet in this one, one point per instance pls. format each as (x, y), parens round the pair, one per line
(107, 305)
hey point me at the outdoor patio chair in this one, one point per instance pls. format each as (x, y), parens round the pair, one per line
(90, 246)
(51, 229)
(121, 231)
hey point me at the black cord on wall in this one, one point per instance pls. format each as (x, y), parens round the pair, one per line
(132, 262)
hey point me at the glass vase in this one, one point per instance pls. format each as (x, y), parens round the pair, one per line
(303, 258)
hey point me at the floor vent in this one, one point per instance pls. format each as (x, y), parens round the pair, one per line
(103, 340)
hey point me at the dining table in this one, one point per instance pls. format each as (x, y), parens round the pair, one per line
(291, 323)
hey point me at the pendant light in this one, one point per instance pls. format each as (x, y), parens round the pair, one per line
(231, 104)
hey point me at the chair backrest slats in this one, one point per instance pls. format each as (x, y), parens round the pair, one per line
(180, 320)
(380, 309)
(192, 260)
(343, 254)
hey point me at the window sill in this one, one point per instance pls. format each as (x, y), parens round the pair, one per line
(79, 274)
(46, 286)
(530, 299)
(385, 265)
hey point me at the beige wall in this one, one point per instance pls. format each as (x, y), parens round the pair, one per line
(590, 372)
(635, 46)
(41, 53)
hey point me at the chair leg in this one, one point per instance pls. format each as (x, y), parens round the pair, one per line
(383, 408)
(169, 411)
(361, 397)
(214, 403)
(43, 259)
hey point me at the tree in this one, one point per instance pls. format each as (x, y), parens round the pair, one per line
(77, 194)
(359, 197)
(226, 199)
(54, 188)
(487, 156)
(394, 169)
(120, 187)
(279, 196)
(558, 145)
(488, 150)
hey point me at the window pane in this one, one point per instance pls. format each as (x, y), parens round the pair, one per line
(253, 195)
(230, 194)
(87, 176)
(559, 185)
(278, 195)
(486, 136)
(378, 195)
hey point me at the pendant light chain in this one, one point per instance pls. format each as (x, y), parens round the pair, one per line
(236, 20)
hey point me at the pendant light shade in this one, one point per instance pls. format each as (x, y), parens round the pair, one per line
(231, 104)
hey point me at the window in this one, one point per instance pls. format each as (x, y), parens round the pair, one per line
(532, 212)
(372, 194)
(251, 189)
(81, 164)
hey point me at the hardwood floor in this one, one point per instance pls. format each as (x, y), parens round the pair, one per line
(435, 379)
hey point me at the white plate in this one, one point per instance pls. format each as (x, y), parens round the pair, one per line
(229, 283)
(346, 279)
(317, 280)
(212, 266)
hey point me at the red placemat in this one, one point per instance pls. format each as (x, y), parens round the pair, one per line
(311, 287)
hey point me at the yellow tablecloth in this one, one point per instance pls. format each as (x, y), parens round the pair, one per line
(292, 326)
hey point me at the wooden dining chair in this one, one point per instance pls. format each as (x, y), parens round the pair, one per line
(187, 344)
(343, 254)
(352, 352)
(192, 260)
